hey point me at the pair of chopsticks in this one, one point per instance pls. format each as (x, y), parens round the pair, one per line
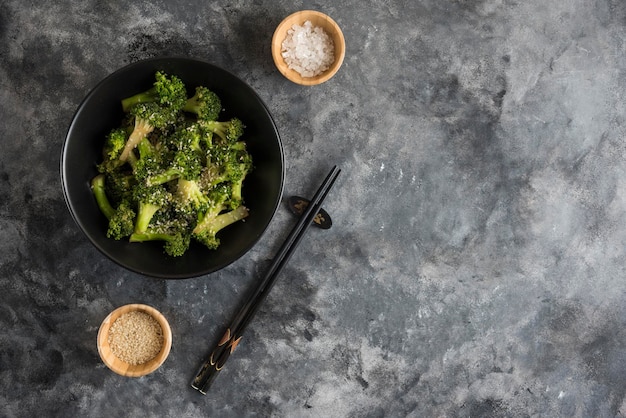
(220, 354)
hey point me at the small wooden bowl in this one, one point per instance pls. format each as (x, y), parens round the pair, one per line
(317, 19)
(121, 367)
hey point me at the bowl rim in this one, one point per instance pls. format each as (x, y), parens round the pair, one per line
(64, 175)
(292, 75)
(121, 367)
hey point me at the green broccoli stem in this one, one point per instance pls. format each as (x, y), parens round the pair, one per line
(218, 128)
(99, 192)
(150, 236)
(175, 245)
(205, 104)
(189, 191)
(213, 224)
(164, 177)
(228, 218)
(192, 105)
(144, 97)
(205, 219)
(141, 130)
(131, 160)
(144, 216)
(237, 189)
(145, 148)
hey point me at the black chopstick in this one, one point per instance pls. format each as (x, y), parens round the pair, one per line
(222, 351)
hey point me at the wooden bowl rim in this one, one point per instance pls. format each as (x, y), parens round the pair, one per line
(120, 367)
(330, 26)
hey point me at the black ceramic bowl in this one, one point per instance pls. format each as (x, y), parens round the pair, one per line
(101, 111)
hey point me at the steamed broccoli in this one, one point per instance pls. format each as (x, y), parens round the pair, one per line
(149, 201)
(190, 200)
(154, 108)
(113, 147)
(228, 163)
(166, 91)
(205, 104)
(187, 137)
(172, 172)
(99, 192)
(184, 161)
(122, 223)
(217, 216)
(175, 244)
(119, 185)
(229, 131)
(239, 167)
(169, 228)
(148, 116)
(184, 165)
(121, 219)
(206, 231)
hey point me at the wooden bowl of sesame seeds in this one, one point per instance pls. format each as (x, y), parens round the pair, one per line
(134, 340)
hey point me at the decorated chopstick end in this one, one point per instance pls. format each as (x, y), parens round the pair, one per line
(210, 369)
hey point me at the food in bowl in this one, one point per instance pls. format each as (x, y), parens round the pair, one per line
(172, 171)
(100, 111)
(308, 49)
(314, 46)
(134, 340)
(135, 337)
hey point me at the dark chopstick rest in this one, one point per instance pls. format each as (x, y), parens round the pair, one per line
(227, 344)
(297, 205)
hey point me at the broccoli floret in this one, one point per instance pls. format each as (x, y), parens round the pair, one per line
(205, 104)
(238, 176)
(237, 166)
(120, 219)
(122, 222)
(175, 244)
(148, 163)
(149, 201)
(206, 231)
(148, 116)
(205, 138)
(211, 176)
(229, 131)
(119, 186)
(190, 198)
(228, 163)
(207, 227)
(187, 136)
(167, 91)
(155, 108)
(217, 198)
(170, 228)
(113, 147)
(184, 164)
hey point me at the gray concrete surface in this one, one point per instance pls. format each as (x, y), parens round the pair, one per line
(476, 262)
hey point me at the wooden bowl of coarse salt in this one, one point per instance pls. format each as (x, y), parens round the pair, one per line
(134, 340)
(308, 47)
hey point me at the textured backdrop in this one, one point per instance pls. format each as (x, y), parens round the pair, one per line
(476, 262)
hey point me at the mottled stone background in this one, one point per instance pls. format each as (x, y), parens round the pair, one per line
(476, 262)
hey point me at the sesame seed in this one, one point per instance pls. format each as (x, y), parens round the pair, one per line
(135, 337)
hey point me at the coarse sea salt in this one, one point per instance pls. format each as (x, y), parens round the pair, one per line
(308, 50)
